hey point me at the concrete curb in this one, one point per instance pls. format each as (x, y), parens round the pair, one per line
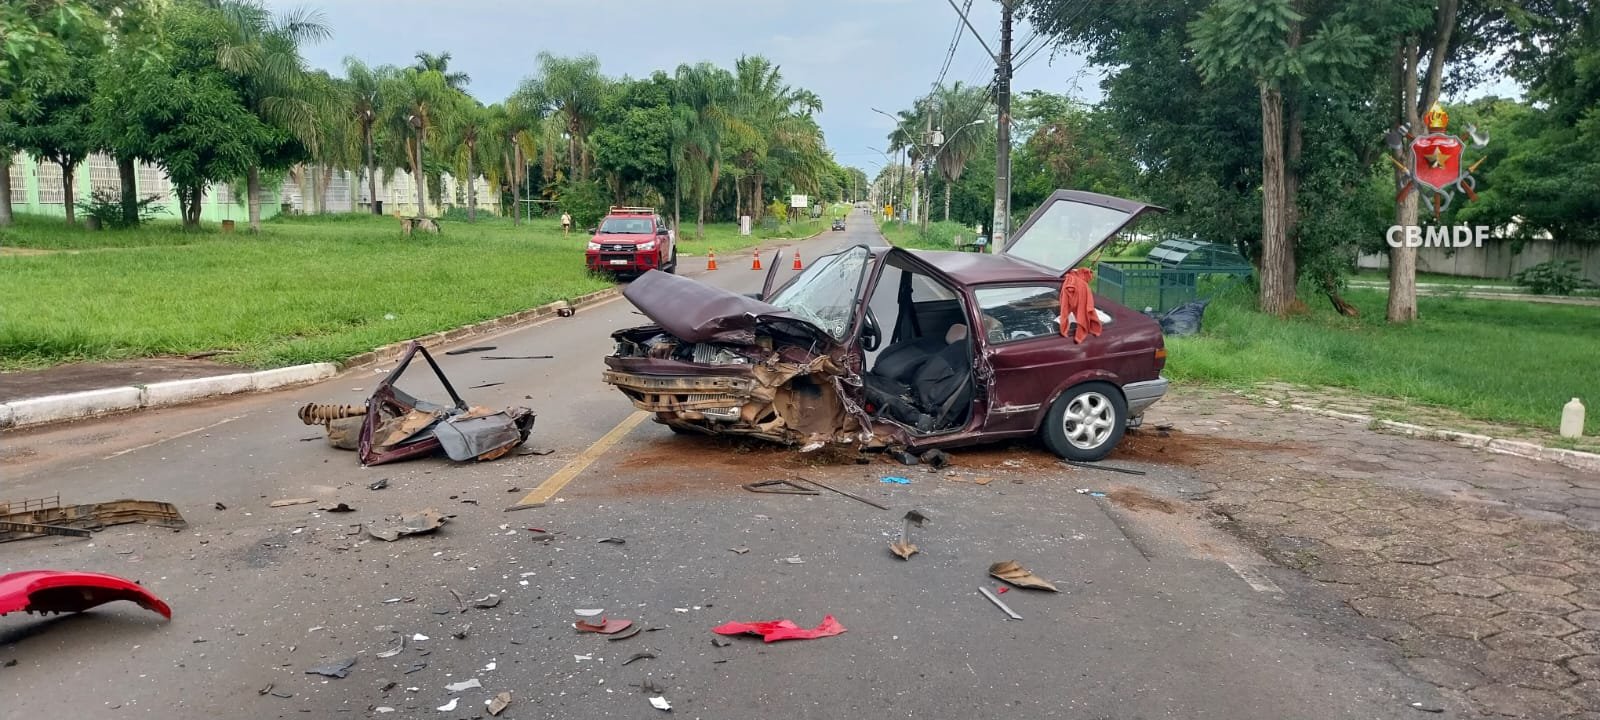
(33, 412)
(1520, 448)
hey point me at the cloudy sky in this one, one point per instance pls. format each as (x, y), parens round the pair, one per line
(855, 54)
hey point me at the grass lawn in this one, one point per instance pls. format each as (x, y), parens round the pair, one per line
(939, 236)
(1498, 361)
(1435, 279)
(304, 290)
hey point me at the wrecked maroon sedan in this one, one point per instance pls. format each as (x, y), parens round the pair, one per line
(876, 346)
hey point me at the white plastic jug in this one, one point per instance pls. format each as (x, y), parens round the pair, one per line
(1572, 419)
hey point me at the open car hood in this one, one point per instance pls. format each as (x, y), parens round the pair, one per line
(1071, 224)
(695, 312)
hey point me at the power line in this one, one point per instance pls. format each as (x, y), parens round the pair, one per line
(955, 41)
(1104, 7)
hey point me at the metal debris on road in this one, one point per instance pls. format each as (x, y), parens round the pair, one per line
(639, 656)
(540, 451)
(541, 534)
(1426, 708)
(780, 487)
(613, 540)
(997, 603)
(937, 458)
(418, 665)
(903, 547)
(335, 669)
(498, 703)
(265, 690)
(476, 348)
(449, 706)
(519, 357)
(379, 484)
(604, 627)
(903, 457)
(418, 523)
(485, 385)
(1098, 466)
(852, 496)
(45, 516)
(291, 501)
(660, 703)
(220, 506)
(739, 550)
(340, 508)
(719, 642)
(776, 630)
(895, 480)
(796, 560)
(391, 652)
(463, 685)
(60, 591)
(1011, 572)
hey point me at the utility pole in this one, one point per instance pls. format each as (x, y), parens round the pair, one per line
(1002, 157)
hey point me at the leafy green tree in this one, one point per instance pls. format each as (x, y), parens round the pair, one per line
(420, 107)
(181, 108)
(364, 98)
(701, 109)
(56, 123)
(471, 126)
(632, 139)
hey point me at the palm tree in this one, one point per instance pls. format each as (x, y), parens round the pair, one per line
(441, 64)
(702, 97)
(771, 132)
(420, 103)
(574, 88)
(471, 126)
(365, 100)
(264, 54)
(960, 109)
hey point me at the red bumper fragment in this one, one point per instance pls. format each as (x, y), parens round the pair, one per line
(59, 591)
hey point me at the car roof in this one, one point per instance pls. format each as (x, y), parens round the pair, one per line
(970, 268)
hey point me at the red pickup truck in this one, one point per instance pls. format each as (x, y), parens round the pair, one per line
(631, 241)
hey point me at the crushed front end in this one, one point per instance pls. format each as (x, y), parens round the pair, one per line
(768, 388)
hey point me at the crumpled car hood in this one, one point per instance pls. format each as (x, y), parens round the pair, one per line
(699, 313)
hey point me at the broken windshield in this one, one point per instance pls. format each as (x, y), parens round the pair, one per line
(825, 294)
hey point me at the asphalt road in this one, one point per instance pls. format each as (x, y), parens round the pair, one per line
(1160, 616)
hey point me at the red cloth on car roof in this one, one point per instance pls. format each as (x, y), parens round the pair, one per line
(1077, 300)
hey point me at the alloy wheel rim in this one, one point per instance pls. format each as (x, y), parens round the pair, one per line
(1089, 420)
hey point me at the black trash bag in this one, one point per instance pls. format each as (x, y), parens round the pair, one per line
(1183, 319)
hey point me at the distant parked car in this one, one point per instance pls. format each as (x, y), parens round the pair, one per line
(631, 241)
(838, 223)
(882, 346)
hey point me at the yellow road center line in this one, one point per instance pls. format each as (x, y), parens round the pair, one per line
(555, 483)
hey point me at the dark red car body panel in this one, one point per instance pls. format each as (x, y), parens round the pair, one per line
(59, 591)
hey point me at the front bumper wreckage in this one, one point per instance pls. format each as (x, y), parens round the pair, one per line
(395, 425)
(59, 591)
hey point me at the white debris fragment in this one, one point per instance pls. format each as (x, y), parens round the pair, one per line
(660, 703)
(489, 667)
(464, 685)
(419, 637)
(381, 710)
(447, 707)
(581, 658)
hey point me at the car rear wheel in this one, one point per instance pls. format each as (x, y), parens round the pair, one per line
(672, 265)
(1086, 422)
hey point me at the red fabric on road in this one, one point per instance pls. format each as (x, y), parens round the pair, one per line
(775, 630)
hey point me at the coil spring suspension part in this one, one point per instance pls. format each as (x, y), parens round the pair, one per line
(323, 413)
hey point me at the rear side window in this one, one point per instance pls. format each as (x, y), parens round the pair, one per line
(1023, 312)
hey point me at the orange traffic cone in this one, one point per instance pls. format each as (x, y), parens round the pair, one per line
(755, 260)
(797, 265)
(711, 260)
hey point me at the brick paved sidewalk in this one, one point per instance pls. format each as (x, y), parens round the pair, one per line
(1483, 569)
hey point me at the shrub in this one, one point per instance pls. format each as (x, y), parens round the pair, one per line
(1554, 277)
(105, 207)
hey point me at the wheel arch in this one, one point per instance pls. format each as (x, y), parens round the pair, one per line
(1079, 378)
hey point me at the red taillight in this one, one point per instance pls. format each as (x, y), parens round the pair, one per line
(1161, 358)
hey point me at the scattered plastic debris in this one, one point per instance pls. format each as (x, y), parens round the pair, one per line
(382, 710)
(340, 508)
(639, 656)
(775, 630)
(291, 501)
(1002, 589)
(794, 560)
(660, 703)
(498, 703)
(220, 506)
(1426, 708)
(613, 540)
(58, 591)
(379, 484)
(391, 652)
(895, 479)
(739, 550)
(463, 685)
(418, 665)
(486, 602)
(1011, 572)
(1091, 493)
(625, 634)
(419, 523)
(581, 658)
(419, 637)
(449, 706)
(335, 669)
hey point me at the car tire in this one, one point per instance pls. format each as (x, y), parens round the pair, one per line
(1086, 422)
(672, 266)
